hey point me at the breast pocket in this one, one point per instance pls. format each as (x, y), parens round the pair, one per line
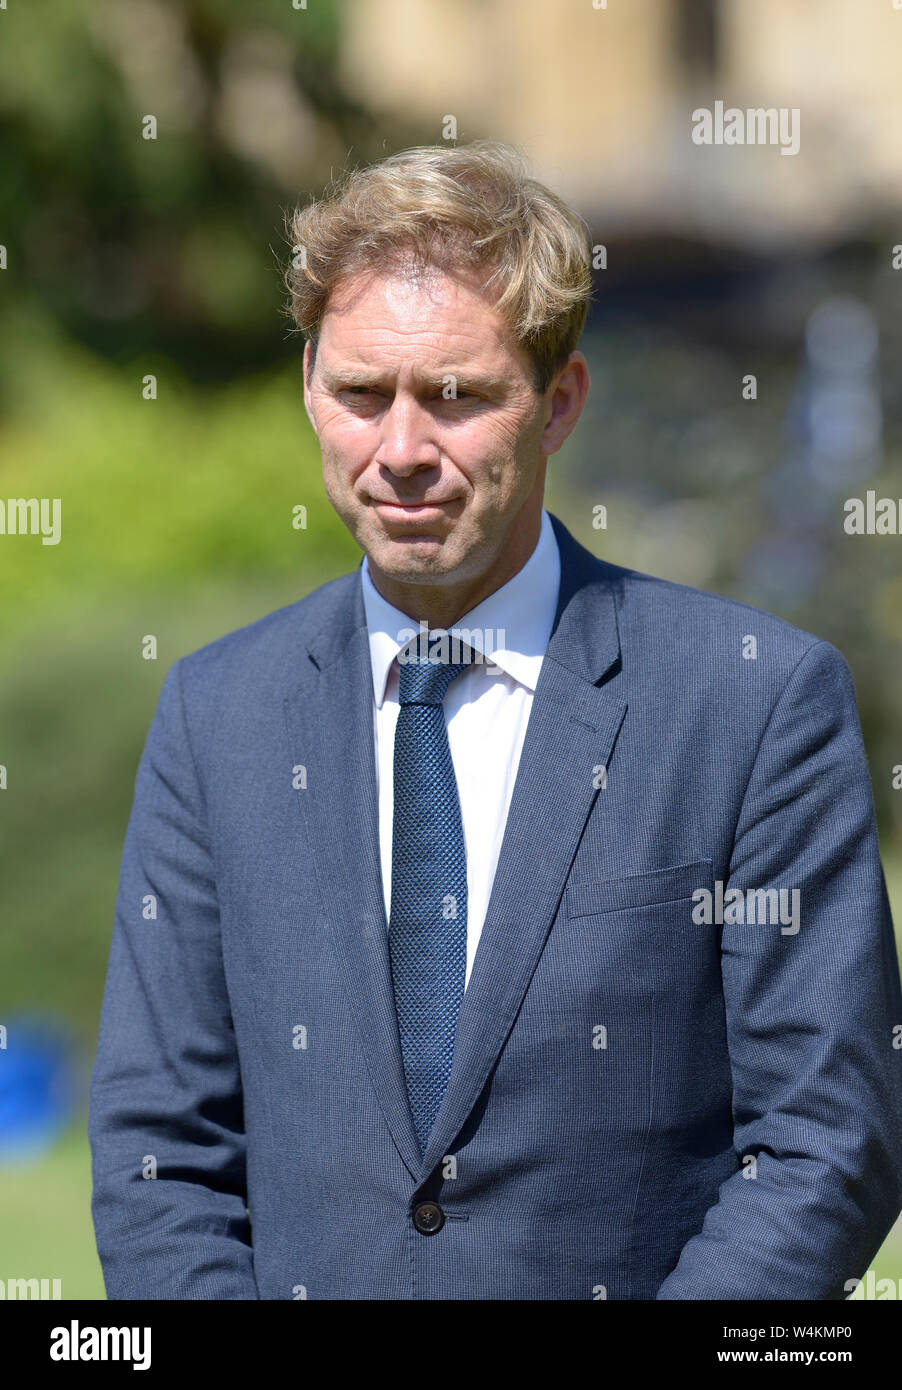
(659, 889)
(635, 938)
(624, 1007)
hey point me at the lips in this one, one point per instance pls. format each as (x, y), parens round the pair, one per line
(410, 511)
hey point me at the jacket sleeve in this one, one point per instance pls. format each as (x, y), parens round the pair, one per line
(817, 1082)
(166, 1123)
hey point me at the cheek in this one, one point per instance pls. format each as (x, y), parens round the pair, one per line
(346, 449)
(338, 482)
(486, 451)
(501, 459)
(507, 437)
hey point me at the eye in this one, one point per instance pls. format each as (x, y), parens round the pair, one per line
(359, 395)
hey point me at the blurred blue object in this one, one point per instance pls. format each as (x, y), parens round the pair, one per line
(38, 1085)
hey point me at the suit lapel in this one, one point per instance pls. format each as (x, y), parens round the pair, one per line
(330, 723)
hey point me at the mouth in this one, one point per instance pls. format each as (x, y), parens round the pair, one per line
(411, 511)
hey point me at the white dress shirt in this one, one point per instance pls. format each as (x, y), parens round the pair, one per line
(486, 711)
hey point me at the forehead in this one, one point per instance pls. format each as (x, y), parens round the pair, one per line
(431, 314)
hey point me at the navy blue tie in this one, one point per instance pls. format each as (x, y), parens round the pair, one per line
(428, 918)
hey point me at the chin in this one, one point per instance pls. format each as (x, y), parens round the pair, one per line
(409, 556)
(413, 560)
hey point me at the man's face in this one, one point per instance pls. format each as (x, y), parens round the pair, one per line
(430, 428)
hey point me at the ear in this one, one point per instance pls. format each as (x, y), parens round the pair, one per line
(308, 401)
(565, 399)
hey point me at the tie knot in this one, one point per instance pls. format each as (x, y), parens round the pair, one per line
(424, 678)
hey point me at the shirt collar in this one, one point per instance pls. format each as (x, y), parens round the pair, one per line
(512, 625)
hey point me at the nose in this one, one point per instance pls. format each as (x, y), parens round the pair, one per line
(406, 442)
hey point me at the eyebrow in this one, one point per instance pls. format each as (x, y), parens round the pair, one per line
(362, 377)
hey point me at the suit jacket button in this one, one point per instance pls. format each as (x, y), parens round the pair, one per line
(428, 1218)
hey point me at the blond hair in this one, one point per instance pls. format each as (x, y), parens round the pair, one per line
(468, 206)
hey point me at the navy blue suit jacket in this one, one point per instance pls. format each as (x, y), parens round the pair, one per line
(642, 1104)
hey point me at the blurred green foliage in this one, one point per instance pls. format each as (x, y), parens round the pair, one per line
(45, 1219)
(186, 492)
(172, 244)
(176, 522)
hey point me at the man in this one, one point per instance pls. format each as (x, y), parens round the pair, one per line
(494, 923)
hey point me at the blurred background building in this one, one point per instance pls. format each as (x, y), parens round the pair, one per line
(601, 97)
